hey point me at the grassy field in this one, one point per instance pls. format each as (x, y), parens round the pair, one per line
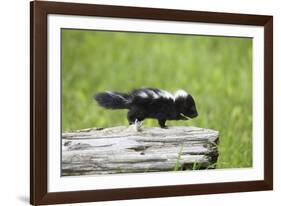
(217, 71)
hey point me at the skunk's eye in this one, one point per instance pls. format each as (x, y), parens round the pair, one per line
(193, 108)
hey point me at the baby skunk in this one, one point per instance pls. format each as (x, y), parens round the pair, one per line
(150, 103)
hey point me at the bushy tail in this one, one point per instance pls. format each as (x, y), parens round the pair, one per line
(113, 100)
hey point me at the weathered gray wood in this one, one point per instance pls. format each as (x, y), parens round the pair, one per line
(124, 150)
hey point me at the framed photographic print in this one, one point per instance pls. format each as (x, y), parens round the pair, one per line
(131, 102)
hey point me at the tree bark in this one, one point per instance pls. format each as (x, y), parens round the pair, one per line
(124, 150)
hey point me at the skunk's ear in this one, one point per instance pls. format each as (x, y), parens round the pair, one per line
(180, 97)
(180, 94)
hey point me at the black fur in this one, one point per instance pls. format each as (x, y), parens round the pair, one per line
(150, 103)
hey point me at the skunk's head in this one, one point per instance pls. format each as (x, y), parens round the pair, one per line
(185, 105)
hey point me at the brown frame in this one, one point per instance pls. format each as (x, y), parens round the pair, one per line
(38, 102)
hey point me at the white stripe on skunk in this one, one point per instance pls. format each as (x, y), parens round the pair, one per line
(155, 94)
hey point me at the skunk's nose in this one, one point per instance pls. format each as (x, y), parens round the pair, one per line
(194, 115)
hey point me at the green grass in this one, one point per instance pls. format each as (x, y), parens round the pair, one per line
(217, 71)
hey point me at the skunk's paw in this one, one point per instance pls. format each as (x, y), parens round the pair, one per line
(137, 125)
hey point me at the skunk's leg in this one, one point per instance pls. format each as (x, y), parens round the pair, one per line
(133, 116)
(135, 120)
(137, 125)
(162, 123)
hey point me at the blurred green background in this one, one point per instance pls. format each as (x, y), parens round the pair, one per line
(217, 71)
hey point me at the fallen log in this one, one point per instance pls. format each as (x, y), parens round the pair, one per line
(124, 150)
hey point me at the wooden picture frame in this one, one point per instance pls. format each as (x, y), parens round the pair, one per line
(39, 193)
